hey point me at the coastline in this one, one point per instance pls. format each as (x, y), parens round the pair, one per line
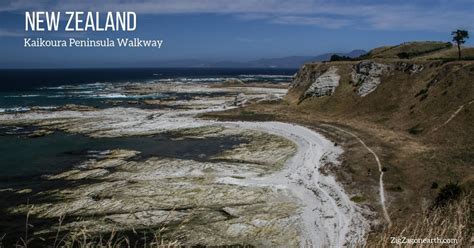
(301, 176)
(329, 216)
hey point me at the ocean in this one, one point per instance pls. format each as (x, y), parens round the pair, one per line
(48, 89)
(22, 89)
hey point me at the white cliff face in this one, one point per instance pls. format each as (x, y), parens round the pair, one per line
(324, 85)
(367, 75)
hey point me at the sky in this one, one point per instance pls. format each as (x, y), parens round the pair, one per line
(242, 30)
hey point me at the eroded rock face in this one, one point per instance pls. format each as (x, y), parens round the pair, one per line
(324, 85)
(307, 73)
(366, 75)
(409, 68)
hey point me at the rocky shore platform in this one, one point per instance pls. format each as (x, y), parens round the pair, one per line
(251, 192)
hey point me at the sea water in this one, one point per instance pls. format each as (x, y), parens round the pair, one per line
(22, 89)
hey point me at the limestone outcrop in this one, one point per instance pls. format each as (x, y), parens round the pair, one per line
(409, 67)
(324, 85)
(366, 76)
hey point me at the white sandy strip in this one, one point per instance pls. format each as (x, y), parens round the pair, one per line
(379, 164)
(329, 217)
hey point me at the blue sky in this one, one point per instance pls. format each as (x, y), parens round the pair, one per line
(234, 30)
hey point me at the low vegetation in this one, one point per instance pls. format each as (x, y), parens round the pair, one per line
(449, 223)
(449, 193)
(336, 57)
(81, 237)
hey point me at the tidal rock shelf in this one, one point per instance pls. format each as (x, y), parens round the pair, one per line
(267, 191)
(183, 195)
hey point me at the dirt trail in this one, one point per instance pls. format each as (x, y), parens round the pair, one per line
(379, 164)
(453, 115)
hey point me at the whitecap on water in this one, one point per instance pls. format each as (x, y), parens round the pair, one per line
(15, 96)
(14, 109)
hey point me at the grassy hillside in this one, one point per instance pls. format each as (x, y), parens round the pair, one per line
(409, 49)
(402, 100)
(419, 120)
(423, 122)
(450, 53)
(413, 105)
(421, 50)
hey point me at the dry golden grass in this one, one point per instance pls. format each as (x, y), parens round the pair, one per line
(383, 120)
(451, 53)
(453, 221)
(82, 237)
(414, 49)
(422, 50)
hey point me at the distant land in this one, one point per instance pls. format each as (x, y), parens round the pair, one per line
(283, 62)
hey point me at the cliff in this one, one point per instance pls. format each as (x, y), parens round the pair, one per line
(418, 97)
(416, 115)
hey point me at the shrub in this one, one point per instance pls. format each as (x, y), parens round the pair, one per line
(336, 57)
(447, 194)
(415, 130)
(403, 55)
(357, 199)
(396, 188)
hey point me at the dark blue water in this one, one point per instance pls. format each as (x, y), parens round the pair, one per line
(28, 79)
(22, 90)
(24, 157)
(49, 88)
